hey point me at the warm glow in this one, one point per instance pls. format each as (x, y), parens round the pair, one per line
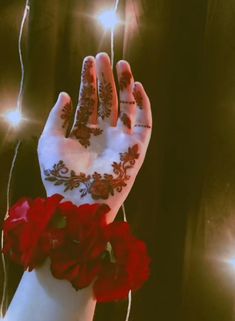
(231, 262)
(108, 19)
(13, 117)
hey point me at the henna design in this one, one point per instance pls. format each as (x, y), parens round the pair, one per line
(106, 97)
(142, 125)
(83, 134)
(100, 186)
(127, 102)
(86, 107)
(125, 79)
(126, 120)
(138, 98)
(66, 113)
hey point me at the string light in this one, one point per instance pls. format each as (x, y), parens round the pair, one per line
(13, 117)
(109, 19)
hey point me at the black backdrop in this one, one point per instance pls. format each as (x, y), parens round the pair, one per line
(183, 201)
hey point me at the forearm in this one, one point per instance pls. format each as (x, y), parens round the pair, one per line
(40, 296)
(92, 165)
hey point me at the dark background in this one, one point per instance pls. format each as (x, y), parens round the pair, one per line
(182, 204)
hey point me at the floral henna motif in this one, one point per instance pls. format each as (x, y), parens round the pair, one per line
(83, 134)
(138, 98)
(66, 113)
(126, 120)
(106, 98)
(86, 107)
(125, 79)
(100, 186)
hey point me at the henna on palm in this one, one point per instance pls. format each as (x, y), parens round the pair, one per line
(100, 186)
(86, 107)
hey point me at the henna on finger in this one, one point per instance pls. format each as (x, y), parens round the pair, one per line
(66, 113)
(100, 186)
(125, 79)
(138, 98)
(131, 102)
(126, 120)
(86, 106)
(105, 98)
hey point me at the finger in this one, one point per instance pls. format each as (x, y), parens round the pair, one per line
(59, 117)
(84, 126)
(86, 112)
(108, 102)
(143, 122)
(126, 98)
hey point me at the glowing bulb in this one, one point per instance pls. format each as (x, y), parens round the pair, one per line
(108, 19)
(14, 117)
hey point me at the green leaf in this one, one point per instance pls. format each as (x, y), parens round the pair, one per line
(109, 249)
(59, 221)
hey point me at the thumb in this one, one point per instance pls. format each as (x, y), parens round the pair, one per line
(59, 117)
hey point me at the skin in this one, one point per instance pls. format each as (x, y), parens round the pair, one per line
(105, 148)
(39, 295)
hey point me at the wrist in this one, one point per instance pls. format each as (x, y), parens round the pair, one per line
(72, 196)
(42, 297)
(69, 304)
(83, 248)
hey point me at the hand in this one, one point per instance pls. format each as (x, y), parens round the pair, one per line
(96, 161)
(99, 158)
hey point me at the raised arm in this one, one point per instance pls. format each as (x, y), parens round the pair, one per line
(94, 161)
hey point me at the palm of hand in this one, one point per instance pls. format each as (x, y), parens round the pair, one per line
(100, 158)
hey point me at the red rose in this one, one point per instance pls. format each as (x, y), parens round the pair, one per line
(85, 220)
(25, 230)
(69, 263)
(40, 213)
(127, 266)
(82, 247)
(13, 228)
(78, 259)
